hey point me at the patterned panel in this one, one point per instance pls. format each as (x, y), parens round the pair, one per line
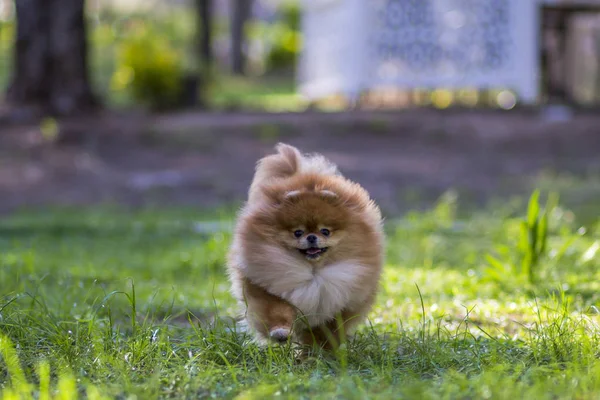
(443, 37)
(353, 46)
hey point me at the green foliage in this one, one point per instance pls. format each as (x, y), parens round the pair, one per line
(286, 38)
(7, 33)
(113, 33)
(534, 236)
(149, 68)
(102, 303)
(531, 246)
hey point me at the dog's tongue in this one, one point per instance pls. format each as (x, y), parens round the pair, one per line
(313, 250)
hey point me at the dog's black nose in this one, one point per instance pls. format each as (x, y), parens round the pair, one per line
(312, 239)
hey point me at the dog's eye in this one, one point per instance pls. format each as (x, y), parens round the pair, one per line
(325, 232)
(298, 233)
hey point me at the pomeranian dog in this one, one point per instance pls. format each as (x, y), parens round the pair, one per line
(307, 251)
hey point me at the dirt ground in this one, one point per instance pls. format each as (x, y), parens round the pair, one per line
(406, 159)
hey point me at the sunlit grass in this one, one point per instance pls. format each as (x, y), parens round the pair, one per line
(101, 303)
(276, 94)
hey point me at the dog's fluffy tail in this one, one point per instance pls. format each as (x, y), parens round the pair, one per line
(285, 163)
(288, 161)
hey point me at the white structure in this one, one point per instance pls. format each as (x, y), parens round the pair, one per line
(353, 46)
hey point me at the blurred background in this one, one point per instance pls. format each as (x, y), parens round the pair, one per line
(129, 132)
(170, 102)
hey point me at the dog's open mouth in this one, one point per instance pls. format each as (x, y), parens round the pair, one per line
(313, 252)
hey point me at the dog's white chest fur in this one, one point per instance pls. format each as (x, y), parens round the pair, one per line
(319, 294)
(329, 290)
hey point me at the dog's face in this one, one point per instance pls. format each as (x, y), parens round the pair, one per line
(312, 238)
(310, 226)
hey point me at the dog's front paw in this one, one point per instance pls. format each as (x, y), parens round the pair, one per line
(280, 335)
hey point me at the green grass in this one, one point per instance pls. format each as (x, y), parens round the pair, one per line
(104, 303)
(272, 94)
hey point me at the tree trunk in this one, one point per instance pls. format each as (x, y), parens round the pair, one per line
(195, 85)
(205, 14)
(50, 57)
(241, 14)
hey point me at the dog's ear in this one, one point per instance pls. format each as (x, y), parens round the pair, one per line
(276, 195)
(327, 194)
(292, 195)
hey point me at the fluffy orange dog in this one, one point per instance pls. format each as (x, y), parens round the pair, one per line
(307, 251)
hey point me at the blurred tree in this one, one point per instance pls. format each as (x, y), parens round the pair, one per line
(50, 57)
(240, 15)
(204, 12)
(205, 19)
